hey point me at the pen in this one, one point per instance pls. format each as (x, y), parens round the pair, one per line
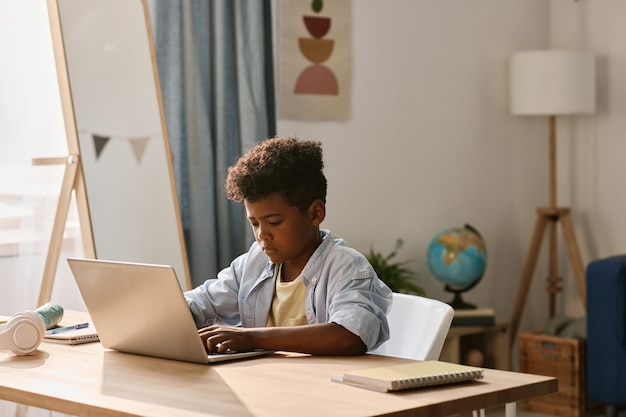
(67, 328)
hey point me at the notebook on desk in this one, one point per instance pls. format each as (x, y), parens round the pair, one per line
(415, 374)
(140, 308)
(73, 337)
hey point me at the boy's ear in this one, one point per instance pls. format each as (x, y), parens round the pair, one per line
(317, 212)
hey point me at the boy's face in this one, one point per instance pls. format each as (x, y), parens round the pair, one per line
(284, 232)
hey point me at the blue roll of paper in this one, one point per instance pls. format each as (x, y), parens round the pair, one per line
(51, 313)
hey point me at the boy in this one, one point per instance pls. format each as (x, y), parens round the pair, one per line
(296, 289)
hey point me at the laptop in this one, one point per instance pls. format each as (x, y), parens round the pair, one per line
(140, 308)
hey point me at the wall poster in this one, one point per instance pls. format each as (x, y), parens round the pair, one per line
(314, 59)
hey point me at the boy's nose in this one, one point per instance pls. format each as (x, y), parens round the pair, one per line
(261, 234)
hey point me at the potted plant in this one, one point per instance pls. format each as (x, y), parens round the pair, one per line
(396, 274)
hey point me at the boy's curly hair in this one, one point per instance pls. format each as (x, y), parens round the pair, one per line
(282, 165)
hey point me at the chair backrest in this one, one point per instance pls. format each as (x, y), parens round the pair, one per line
(418, 326)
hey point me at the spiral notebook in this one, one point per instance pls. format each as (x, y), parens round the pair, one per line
(410, 375)
(74, 337)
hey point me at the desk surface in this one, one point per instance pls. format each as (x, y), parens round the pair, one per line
(90, 380)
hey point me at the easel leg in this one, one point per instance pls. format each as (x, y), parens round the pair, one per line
(56, 239)
(86, 233)
(527, 275)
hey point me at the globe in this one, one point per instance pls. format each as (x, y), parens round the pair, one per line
(457, 257)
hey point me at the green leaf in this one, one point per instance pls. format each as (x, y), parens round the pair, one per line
(396, 274)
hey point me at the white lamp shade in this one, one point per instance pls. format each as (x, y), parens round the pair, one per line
(552, 82)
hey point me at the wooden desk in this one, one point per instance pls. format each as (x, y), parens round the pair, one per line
(88, 380)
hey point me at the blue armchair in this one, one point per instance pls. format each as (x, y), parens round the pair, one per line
(606, 332)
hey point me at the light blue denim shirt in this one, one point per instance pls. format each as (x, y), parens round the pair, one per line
(342, 288)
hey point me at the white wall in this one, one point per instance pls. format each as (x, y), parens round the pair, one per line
(593, 149)
(431, 144)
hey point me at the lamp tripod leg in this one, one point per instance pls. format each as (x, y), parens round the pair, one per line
(553, 281)
(527, 274)
(574, 255)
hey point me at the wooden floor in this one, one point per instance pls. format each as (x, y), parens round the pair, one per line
(499, 412)
(8, 409)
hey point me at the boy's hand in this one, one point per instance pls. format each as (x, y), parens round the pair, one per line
(316, 339)
(226, 339)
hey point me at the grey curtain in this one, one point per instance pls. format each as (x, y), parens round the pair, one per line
(216, 72)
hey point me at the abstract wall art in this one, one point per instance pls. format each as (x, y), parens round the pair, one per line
(314, 60)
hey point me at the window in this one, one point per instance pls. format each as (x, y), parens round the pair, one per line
(31, 126)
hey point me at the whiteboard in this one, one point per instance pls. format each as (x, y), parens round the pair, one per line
(119, 130)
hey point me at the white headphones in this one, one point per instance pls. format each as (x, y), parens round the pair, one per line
(22, 333)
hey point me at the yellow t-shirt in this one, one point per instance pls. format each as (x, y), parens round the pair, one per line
(288, 303)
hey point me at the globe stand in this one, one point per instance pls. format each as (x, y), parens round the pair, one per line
(457, 302)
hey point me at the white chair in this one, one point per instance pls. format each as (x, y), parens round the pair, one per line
(418, 326)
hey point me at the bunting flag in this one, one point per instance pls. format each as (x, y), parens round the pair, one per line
(137, 144)
(99, 142)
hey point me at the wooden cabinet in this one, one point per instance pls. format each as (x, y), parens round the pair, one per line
(486, 346)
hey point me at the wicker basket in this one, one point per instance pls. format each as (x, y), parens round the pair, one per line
(564, 358)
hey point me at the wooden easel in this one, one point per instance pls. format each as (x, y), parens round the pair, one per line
(72, 182)
(549, 216)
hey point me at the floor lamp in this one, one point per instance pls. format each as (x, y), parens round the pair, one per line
(551, 83)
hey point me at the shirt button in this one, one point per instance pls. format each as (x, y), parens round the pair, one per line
(314, 279)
